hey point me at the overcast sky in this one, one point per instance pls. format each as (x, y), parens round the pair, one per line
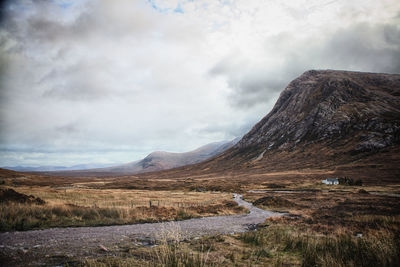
(111, 81)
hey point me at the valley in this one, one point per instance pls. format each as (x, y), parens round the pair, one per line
(313, 212)
(325, 124)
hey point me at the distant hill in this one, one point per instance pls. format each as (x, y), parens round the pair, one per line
(161, 160)
(340, 123)
(155, 161)
(347, 122)
(57, 168)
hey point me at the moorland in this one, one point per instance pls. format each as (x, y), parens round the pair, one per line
(325, 124)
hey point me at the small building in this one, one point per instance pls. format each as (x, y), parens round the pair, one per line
(331, 181)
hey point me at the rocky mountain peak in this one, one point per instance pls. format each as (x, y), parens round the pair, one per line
(332, 106)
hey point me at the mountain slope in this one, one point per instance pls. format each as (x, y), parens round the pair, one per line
(325, 119)
(155, 161)
(161, 160)
(332, 106)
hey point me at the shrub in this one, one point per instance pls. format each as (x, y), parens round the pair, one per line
(350, 181)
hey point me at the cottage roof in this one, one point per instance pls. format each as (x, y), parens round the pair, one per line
(332, 179)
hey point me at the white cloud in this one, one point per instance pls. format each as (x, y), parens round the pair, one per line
(129, 77)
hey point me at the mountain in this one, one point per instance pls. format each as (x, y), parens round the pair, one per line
(325, 123)
(332, 107)
(341, 121)
(57, 168)
(161, 160)
(155, 161)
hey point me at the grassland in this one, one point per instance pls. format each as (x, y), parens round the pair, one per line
(326, 226)
(76, 206)
(277, 243)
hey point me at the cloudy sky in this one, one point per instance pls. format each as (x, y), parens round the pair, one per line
(111, 81)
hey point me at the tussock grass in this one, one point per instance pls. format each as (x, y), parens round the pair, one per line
(173, 253)
(94, 207)
(378, 220)
(113, 262)
(18, 216)
(376, 248)
(277, 244)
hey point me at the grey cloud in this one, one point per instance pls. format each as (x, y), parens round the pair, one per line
(68, 128)
(43, 28)
(257, 89)
(43, 23)
(121, 80)
(103, 26)
(252, 85)
(392, 34)
(230, 129)
(75, 92)
(108, 70)
(365, 47)
(362, 47)
(75, 84)
(128, 19)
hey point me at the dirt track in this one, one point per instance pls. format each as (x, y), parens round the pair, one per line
(37, 246)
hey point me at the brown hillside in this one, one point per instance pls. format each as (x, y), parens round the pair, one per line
(345, 123)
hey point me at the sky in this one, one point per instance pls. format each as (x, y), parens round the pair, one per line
(111, 81)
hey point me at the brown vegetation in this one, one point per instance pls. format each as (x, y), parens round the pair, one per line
(327, 225)
(276, 243)
(328, 211)
(274, 202)
(9, 195)
(93, 207)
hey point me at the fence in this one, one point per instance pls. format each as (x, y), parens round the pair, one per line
(158, 203)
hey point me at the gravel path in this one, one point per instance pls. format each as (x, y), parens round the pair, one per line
(85, 241)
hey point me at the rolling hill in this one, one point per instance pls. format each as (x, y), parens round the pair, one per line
(161, 160)
(155, 161)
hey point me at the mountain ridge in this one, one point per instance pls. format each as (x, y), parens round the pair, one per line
(324, 119)
(155, 161)
(341, 123)
(162, 160)
(339, 92)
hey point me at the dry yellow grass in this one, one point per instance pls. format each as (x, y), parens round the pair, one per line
(122, 198)
(87, 207)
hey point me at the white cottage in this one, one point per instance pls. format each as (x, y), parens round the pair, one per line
(331, 181)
